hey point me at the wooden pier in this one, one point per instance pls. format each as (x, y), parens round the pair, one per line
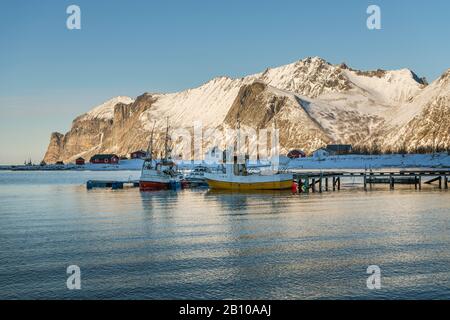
(114, 185)
(320, 181)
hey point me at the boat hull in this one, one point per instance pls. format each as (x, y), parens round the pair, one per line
(153, 185)
(278, 182)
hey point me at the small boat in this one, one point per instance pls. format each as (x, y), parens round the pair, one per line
(196, 178)
(159, 175)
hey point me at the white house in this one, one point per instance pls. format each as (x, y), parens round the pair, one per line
(214, 155)
(320, 153)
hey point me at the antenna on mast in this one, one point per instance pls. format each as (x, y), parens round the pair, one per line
(150, 145)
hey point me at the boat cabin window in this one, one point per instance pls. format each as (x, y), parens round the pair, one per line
(148, 164)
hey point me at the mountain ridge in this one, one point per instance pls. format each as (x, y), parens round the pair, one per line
(335, 102)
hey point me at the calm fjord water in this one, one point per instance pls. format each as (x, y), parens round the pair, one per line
(209, 245)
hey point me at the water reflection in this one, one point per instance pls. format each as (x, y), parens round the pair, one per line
(219, 244)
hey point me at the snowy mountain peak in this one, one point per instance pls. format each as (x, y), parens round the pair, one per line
(105, 111)
(445, 77)
(310, 77)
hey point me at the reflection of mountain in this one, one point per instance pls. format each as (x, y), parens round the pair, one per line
(314, 103)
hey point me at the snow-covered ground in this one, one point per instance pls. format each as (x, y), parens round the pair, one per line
(440, 160)
(134, 164)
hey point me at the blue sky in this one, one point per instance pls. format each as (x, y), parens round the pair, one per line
(49, 74)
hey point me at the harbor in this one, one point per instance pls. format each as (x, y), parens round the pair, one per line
(312, 182)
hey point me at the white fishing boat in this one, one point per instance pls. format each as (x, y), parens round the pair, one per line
(196, 178)
(158, 175)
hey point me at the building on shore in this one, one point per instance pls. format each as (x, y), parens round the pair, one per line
(104, 159)
(214, 155)
(80, 161)
(295, 154)
(320, 153)
(339, 149)
(140, 154)
(332, 150)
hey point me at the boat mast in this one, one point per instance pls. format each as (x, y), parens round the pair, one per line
(166, 142)
(240, 159)
(150, 146)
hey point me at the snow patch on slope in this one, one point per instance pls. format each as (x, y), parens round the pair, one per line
(394, 86)
(105, 111)
(208, 104)
(404, 113)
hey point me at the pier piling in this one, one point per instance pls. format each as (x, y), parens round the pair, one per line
(391, 182)
(314, 181)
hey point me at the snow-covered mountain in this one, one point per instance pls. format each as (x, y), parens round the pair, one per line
(312, 101)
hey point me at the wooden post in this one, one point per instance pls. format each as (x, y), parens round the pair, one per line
(420, 182)
(320, 184)
(307, 185)
(326, 184)
(416, 180)
(334, 183)
(446, 182)
(440, 182)
(365, 182)
(313, 184)
(339, 183)
(392, 182)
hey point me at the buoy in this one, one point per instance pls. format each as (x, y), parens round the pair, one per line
(294, 187)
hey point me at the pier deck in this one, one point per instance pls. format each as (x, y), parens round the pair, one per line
(91, 184)
(331, 180)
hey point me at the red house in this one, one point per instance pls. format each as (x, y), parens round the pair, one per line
(138, 154)
(295, 154)
(104, 159)
(80, 161)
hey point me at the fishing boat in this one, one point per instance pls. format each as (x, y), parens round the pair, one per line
(237, 176)
(158, 175)
(195, 178)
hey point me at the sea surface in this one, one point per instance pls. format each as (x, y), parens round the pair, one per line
(198, 244)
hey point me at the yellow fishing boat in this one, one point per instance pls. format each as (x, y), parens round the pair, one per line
(278, 182)
(237, 178)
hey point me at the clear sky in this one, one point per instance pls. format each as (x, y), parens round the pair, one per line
(49, 74)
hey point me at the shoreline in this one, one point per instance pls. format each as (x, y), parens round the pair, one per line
(351, 161)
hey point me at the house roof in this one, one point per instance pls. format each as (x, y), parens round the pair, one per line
(339, 147)
(103, 156)
(296, 151)
(322, 149)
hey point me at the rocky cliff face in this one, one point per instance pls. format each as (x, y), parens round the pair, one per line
(312, 102)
